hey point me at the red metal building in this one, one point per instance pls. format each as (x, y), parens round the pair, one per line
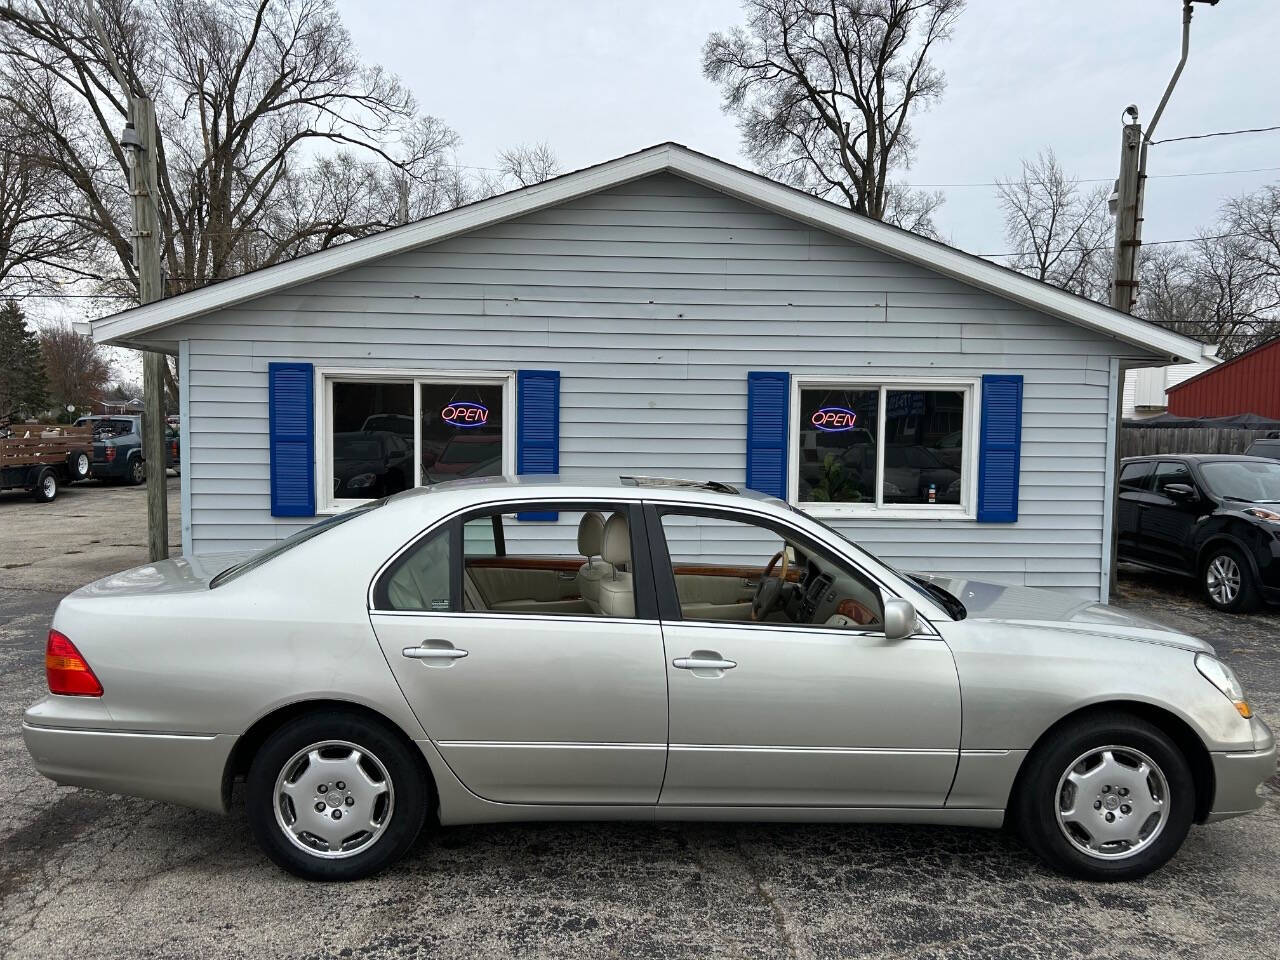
(1249, 383)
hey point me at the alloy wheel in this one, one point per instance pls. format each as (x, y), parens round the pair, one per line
(334, 799)
(1112, 802)
(1222, 578)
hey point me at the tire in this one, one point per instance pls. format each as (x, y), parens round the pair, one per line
(137, 471)
(46, 488)
(1226, 580)
(1077, 844)
(284, 828)
(78, 466)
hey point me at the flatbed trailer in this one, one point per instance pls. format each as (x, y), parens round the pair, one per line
(40, 457)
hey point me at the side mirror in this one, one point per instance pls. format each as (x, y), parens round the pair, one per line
(899, 619)
(1183, 492)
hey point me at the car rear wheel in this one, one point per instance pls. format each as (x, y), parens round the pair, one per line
(1110, 798)
(333, 796)
(137, 471)
(1227, 581)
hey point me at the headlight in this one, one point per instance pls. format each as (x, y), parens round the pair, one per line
(362, 480)
(1221, 676)
(1263, 514)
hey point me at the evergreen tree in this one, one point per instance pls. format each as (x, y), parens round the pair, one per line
(23, 387)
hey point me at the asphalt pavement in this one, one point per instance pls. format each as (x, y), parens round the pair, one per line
(89, 875)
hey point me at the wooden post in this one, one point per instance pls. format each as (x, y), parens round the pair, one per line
(146, 258)
(1124, 283)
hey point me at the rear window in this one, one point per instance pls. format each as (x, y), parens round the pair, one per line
(287, 544)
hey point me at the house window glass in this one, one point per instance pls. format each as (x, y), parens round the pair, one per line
(371, 439)
(923, 446)
(838, 445)
(884, 446)
(461, 431)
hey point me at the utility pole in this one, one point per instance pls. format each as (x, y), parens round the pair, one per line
(139, 142)
(146, 258)
(1127, 205)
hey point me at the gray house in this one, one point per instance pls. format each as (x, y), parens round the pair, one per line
(663, 313)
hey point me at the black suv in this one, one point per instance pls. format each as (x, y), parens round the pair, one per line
(1210, 516)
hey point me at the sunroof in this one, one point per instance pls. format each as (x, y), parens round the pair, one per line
(713, 485)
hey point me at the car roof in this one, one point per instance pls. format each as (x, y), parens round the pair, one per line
(1197, 457)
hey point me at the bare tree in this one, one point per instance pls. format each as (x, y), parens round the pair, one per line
(35, 239)
(1254, 220)
(527, 165)
(517, 167)
(1058, 232)
(244, 90)
(74, 365)
(824, 91)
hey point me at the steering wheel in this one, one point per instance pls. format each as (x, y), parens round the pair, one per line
(769, 593)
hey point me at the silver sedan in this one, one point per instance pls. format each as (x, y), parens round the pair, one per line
(506, 650)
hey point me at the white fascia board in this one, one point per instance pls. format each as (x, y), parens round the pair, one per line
(137, 324)
(119, 328)
(946, 260)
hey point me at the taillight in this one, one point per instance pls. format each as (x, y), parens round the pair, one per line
(110, 454)
(173, 449)
(67, 672)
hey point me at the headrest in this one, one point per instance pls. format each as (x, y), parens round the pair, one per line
(617, 541)
(591, 534)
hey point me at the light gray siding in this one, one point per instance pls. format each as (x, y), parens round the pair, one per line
(654, 300)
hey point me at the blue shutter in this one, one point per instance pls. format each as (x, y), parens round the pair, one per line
(999, 443)
(768, 405)
(538, 427)
(292, 439)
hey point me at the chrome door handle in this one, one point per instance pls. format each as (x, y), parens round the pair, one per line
(433, 653)
(696, 663)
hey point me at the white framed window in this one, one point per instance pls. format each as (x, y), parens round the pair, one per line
(892, 448)
(382, 431)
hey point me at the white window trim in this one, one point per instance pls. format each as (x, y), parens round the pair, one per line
(967, 509)
(326, 503)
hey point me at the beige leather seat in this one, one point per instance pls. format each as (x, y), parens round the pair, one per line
(617, 594)
(590, 545)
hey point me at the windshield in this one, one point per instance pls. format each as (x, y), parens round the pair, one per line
(1254, 481)
(287, 544)
(930, 591)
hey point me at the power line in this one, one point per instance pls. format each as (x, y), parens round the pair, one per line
(1157, 176)
(1220, 133)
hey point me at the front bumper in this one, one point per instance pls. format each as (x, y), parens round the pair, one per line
(177, 768)
(1237, 775)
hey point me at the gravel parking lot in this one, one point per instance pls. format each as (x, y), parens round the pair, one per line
(89, 875)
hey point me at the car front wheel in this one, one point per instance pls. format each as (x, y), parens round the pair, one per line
(1227, 580)
(334, 796)
(1109, 798)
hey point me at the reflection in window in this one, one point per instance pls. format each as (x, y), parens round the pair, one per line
(879, 444)
(838, 445)
(461, 431)
(371, 439)
(923, 446)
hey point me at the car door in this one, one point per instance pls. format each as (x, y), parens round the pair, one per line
(1134, 483)
(778, 713)
(1167, 521)
(534, 706)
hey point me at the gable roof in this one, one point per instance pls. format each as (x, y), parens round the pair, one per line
(133, 326)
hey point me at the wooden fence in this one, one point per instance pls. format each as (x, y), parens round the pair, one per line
(1143, 441)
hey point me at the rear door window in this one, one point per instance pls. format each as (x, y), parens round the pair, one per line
(1136, 476)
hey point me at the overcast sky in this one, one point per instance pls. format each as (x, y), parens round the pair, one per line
(599, 79)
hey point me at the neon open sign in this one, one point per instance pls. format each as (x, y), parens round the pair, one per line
(833, 419)
(465, 414)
